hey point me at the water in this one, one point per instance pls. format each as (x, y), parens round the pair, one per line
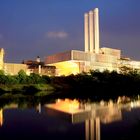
(71, 120)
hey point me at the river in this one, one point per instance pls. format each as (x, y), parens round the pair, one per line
(67, 119)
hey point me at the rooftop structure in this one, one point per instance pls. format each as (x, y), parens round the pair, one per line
(39, 67)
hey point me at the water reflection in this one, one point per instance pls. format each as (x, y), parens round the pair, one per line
(38, 108)
(93, 114)
(1, 117)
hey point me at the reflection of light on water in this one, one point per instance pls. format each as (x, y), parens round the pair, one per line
(95, 112)
(135, 104)
(132, 104)
(67, 105)
(1, 117)
(38, 108)
(106, 110)
(102, 103)
(110, 103)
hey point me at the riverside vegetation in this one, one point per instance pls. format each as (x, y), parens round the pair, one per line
(94, 84)
(24, 83)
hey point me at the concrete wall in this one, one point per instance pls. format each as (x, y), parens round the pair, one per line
(59, 57)
(110, 51)
(13, 69)
(74, 61)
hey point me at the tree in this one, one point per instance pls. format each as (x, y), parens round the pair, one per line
(2, 72)
(22, 77)
(125, 69)
(35, 78)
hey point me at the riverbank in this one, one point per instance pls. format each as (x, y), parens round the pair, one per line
(25, 88)
(93, 85)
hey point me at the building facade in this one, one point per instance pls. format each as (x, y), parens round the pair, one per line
(38, 67)
(1, 58)
(14, 68)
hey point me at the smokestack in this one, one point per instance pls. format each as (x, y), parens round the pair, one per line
(86, 32)
(96, 29)
(91, 31)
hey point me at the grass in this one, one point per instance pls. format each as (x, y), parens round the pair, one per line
(23, 88)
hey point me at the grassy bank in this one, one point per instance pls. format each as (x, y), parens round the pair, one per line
(92, 85)
(25, 88)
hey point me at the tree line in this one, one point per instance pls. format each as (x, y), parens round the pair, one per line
(96, 83)
(22, 78)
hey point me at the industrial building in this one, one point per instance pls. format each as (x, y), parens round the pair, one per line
(29, 66)
(75, 61)
(38, 67)
(93, 57)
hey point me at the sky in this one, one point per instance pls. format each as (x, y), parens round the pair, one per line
(31, 28)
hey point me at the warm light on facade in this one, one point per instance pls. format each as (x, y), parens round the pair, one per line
(1, 58)
(66, 68)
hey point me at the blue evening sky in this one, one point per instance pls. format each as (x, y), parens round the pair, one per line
(29, 28)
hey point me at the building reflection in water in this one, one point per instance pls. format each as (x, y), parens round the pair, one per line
(92, 114)
(92, 129)
(9, 106)
(1, 117)
(38, 108)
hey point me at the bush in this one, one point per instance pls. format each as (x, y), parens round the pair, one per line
(22, 77)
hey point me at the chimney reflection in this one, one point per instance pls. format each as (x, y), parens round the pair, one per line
(97, 128)
(92, 129)
(87, 128)
(90, 113)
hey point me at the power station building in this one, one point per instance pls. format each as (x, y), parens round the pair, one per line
(29, 66)
(93, 57)
(74, 61)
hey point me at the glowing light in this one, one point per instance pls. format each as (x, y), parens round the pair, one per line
(67, 67)
(102, 103)
(1, 117)
(69, 106)
(110, 104)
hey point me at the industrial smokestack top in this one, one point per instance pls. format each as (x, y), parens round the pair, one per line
(96, 10)
(92, 31)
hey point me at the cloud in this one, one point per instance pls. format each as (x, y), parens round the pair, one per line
(59, 35)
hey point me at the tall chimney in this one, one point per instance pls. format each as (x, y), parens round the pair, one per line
(96, 29)
(91, 31)
(86, 26)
